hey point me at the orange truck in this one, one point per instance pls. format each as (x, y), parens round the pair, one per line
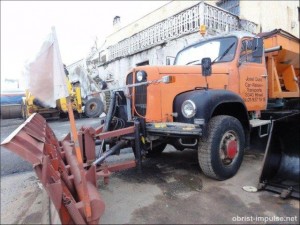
(215, 94)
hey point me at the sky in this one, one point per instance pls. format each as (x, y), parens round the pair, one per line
(25, 24)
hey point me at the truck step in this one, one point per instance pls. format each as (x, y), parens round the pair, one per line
(263, 131)
(259, 123)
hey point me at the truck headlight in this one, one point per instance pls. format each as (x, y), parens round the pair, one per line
(141, 75)
(188, 108)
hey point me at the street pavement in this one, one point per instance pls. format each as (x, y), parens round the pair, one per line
(171, 190)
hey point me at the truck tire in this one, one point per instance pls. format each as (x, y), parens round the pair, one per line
(93, 107)
(221, 151)
(156, 151)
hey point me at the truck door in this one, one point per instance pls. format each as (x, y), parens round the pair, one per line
(253, 74)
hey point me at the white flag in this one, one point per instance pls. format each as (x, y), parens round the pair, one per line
(46, 79)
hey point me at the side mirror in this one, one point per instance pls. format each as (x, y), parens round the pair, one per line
(206, 67)
(257, 47)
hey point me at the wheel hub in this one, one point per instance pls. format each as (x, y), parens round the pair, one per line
(92, 106)
(228, 147)
(231, 149)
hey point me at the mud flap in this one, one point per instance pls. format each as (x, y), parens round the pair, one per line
(68, 184)
(281, 165)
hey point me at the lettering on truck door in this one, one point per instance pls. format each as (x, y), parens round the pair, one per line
(253, 77)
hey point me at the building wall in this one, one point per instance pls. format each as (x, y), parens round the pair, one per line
(157, 55)
(165, 38)
(72, 67)
(270, 15)
(171, 8)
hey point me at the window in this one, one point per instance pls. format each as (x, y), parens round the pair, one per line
(247, 52)
(232, 6)
(145, 63)
(218, 49)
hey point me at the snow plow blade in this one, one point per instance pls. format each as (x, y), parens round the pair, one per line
(281, 166)
(72, 188)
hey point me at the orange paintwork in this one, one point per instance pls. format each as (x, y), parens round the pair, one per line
(283, 66)
(184, 82)
(249, 80)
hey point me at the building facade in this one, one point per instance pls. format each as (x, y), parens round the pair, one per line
(268, 15)
(156, 38)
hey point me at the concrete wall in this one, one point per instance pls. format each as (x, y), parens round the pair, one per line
(170, 9)
(156, 56)
(270, 15)
(267, 14)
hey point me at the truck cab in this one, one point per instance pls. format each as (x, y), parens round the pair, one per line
(240, 54)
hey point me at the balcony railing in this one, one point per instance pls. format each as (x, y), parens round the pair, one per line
(185, 22)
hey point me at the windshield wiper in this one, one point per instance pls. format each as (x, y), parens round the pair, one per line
(193, 62)
(225, 53)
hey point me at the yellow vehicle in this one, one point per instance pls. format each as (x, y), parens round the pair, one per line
(31, 104)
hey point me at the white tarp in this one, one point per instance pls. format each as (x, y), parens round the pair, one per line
(87, 84)
(79, 74)
(44, 75)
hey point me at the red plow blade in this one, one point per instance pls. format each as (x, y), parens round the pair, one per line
(71, 187)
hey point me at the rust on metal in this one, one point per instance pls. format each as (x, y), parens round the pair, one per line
(99, 129)
(59, 170)
(84, 195)
(87, 143)
(115, 133)
(73, 210)
(106, 170)
(65, 167)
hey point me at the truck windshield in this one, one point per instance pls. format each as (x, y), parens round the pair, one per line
(219, 50)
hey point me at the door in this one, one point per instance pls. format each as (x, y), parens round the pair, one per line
(253, 74)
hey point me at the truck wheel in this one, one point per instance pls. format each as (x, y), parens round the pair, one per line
(221, 151)
(93, 107)
(156, 151)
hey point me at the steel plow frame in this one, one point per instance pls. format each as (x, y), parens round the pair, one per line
(71, 185)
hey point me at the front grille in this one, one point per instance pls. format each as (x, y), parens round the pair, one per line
(129, 80)
(140, 96)
(141, 99)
